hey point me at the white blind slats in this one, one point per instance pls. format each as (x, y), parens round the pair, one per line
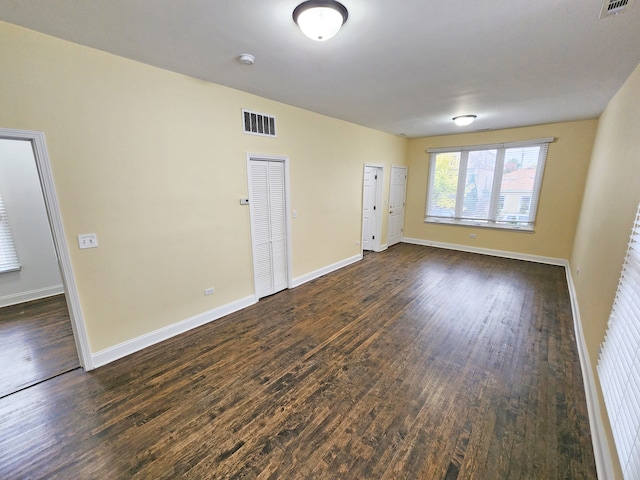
(487, 185)
(535, 198)
(619, 363)
(8, 256)
(627, 306)
(635, 248)
(633, 408)
(632, 265)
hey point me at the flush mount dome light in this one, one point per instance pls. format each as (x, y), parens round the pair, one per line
(246, 59)
(320, 19)
(464, 120)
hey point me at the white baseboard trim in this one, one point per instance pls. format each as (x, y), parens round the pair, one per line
(487, 251)
(123, 349)
(601, 451)
(381, 248)
(30, 295)
(323, 271)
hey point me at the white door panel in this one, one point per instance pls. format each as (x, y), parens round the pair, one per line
(262, 269)
(279, 261)
(267, 201)
(371, 202)
(397, 197)
(367, 208)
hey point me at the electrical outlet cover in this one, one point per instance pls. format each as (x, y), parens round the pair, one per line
(88, 240)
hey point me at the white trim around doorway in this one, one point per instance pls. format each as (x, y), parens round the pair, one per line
(41, 155)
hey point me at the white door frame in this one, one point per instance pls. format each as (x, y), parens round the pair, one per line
(287, 200)
(43, 165)
(377, 227)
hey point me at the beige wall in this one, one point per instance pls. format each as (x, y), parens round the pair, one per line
(610, 201)
(154, 163)
(562, 189)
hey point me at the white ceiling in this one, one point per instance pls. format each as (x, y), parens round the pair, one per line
(403, 67)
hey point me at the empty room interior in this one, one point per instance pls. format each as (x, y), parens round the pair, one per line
(234, 245)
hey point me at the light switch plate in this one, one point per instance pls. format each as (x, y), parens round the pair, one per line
(88, 240)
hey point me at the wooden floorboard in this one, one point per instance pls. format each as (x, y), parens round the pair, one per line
(415, 363)
(36, 343)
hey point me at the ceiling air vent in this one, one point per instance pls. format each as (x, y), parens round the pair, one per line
(258, 124)
(613, 7)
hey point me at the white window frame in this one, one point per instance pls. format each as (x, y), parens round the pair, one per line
(527, 224)
(8, 257)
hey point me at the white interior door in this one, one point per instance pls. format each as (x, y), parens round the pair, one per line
(371, 200)
(397, 197)
(368, 217)
(268, 205)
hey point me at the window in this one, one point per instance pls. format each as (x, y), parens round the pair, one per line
(8, 257)
(619, 360)
(486, 185)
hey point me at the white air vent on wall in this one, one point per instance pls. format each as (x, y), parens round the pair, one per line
(613, 7)
(258, 124)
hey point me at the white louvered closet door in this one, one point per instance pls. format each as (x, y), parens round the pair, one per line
(268, 226)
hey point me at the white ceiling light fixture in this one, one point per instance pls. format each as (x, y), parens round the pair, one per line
(464, 120)
(320, 19)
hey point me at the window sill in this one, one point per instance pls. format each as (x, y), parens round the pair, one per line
(476, 224)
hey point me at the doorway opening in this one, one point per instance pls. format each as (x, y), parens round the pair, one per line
(41, 315)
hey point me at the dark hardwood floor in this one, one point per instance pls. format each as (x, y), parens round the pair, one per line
(415, 363)
(36, 343)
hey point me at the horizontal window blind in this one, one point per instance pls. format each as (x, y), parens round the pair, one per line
(491, 146)
(494, 185)
(619, 363)
(8, 257)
